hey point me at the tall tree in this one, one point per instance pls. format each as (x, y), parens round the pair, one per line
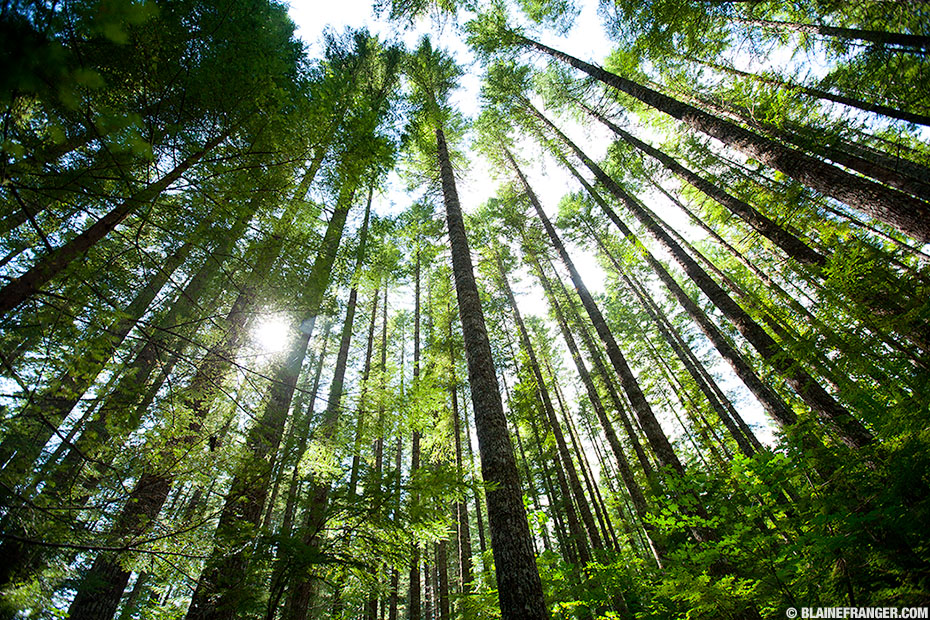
(519, 588)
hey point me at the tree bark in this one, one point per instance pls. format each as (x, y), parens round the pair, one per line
(44, 412)
(276, 589)
(626, 473)
(25, 286)
(366, 374)
(519, 587)
(302, 582)
(414, 576)
(905, 213)
(463, 532)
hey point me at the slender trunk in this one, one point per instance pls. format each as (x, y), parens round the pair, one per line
(580, 459)
(302, 583)
(519, 587)
(791, 245)
(911, 117)
(429, 593)
(914, 42)
(531, 480)
(201, 392)
(414, 576)
(601, 371)
(626, 472)
(848, 428)
(572, 486)
(461, 508)
(610, 532)
(657, 437)
(223, 583)
(44, 412)
(442, 566)
(905, 213)
(899, 173)
(360, 422)
(747, 443)
(479, 513)
(379, 442)
(291, 460)
(25, 286)
(99, 594)
(394, 594)
(302, 432)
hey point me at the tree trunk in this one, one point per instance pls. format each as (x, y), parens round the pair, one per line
(915, 42)
(626, 472)
(905, 213)
(899, 173)
(479, 513)
(580, 459)
(817, 93)
(111, 424)
(849, 429)
(44, 412)
(463, 536)
(379, 441)
(792, 246)
(414, 577)
(657, 437)
(519, 587)
(572, 486)
(728, 415)
(302, 431)
(25, 286)
(301, 580)
(366, 374)
(201, 391)
(99, 594)
(442, 566)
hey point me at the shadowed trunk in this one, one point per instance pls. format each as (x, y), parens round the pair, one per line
(519, 586)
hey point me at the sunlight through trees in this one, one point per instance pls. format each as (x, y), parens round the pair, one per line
(263, 354)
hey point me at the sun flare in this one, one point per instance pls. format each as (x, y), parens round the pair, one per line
(271, 333)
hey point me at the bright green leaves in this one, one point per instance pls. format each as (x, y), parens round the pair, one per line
(557, 14)
(489, 33)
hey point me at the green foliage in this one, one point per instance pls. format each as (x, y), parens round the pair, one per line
(101, 97)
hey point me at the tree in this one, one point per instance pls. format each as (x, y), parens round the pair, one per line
(519, 588)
